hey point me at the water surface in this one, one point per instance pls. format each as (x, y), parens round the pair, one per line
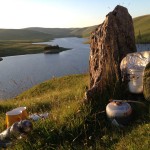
(18, 73)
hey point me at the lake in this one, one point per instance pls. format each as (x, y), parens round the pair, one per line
(19, 73)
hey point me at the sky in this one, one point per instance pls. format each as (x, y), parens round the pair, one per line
(16, 14)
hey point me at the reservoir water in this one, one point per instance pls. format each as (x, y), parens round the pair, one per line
(19, 73)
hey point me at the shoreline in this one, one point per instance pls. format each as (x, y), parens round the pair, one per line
(15, 48)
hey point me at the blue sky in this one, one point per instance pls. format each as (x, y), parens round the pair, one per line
(63, 13)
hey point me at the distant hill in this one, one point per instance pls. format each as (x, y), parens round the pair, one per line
(54, 32)
(83, 32)
(38, 33)
(141, 25)
(142, 29)
(23, 34)
(64, 32)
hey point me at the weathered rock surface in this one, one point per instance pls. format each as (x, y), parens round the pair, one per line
(110, 42)
(146, 82)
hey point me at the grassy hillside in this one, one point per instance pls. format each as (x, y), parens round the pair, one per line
(71, 124)
(142, 29)
(43, 34)
(19, 41)
(21, 47)
(83, 32)
(54, 32)
(65, 32)
(10, 48)
(22, 34)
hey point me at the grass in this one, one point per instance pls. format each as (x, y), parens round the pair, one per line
(19, 41)
(23, 34)
(142, 29)
(9, 48)
(71, 123)
(21, 47)
(138, 138)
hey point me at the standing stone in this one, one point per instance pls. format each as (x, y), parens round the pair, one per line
(110, 42)
(146, 82)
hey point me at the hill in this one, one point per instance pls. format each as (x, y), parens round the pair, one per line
(55, 32)
(83, 32)
(19, 41)
(142, 29)
(71, 124)
(23, 34)
(141, 24)
(38, 34)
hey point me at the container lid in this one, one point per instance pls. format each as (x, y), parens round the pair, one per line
(20, 108)
(118, 105)
(14, 112)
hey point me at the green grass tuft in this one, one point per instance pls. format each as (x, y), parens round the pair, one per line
(138, 138)
(72, 124)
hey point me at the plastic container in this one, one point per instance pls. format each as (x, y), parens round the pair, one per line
(119, 113)
(12, 117)
(24, 114)
(16, 115)
(136, 80)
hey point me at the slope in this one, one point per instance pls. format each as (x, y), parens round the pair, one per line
(142, 29)
(23, 34)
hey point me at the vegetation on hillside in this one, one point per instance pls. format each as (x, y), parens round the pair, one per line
(10, 48)
(142, 29)
(83, 32)
(22, 34)
(21, 47)
(19, 41)
(72, 124)
(54, 32)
